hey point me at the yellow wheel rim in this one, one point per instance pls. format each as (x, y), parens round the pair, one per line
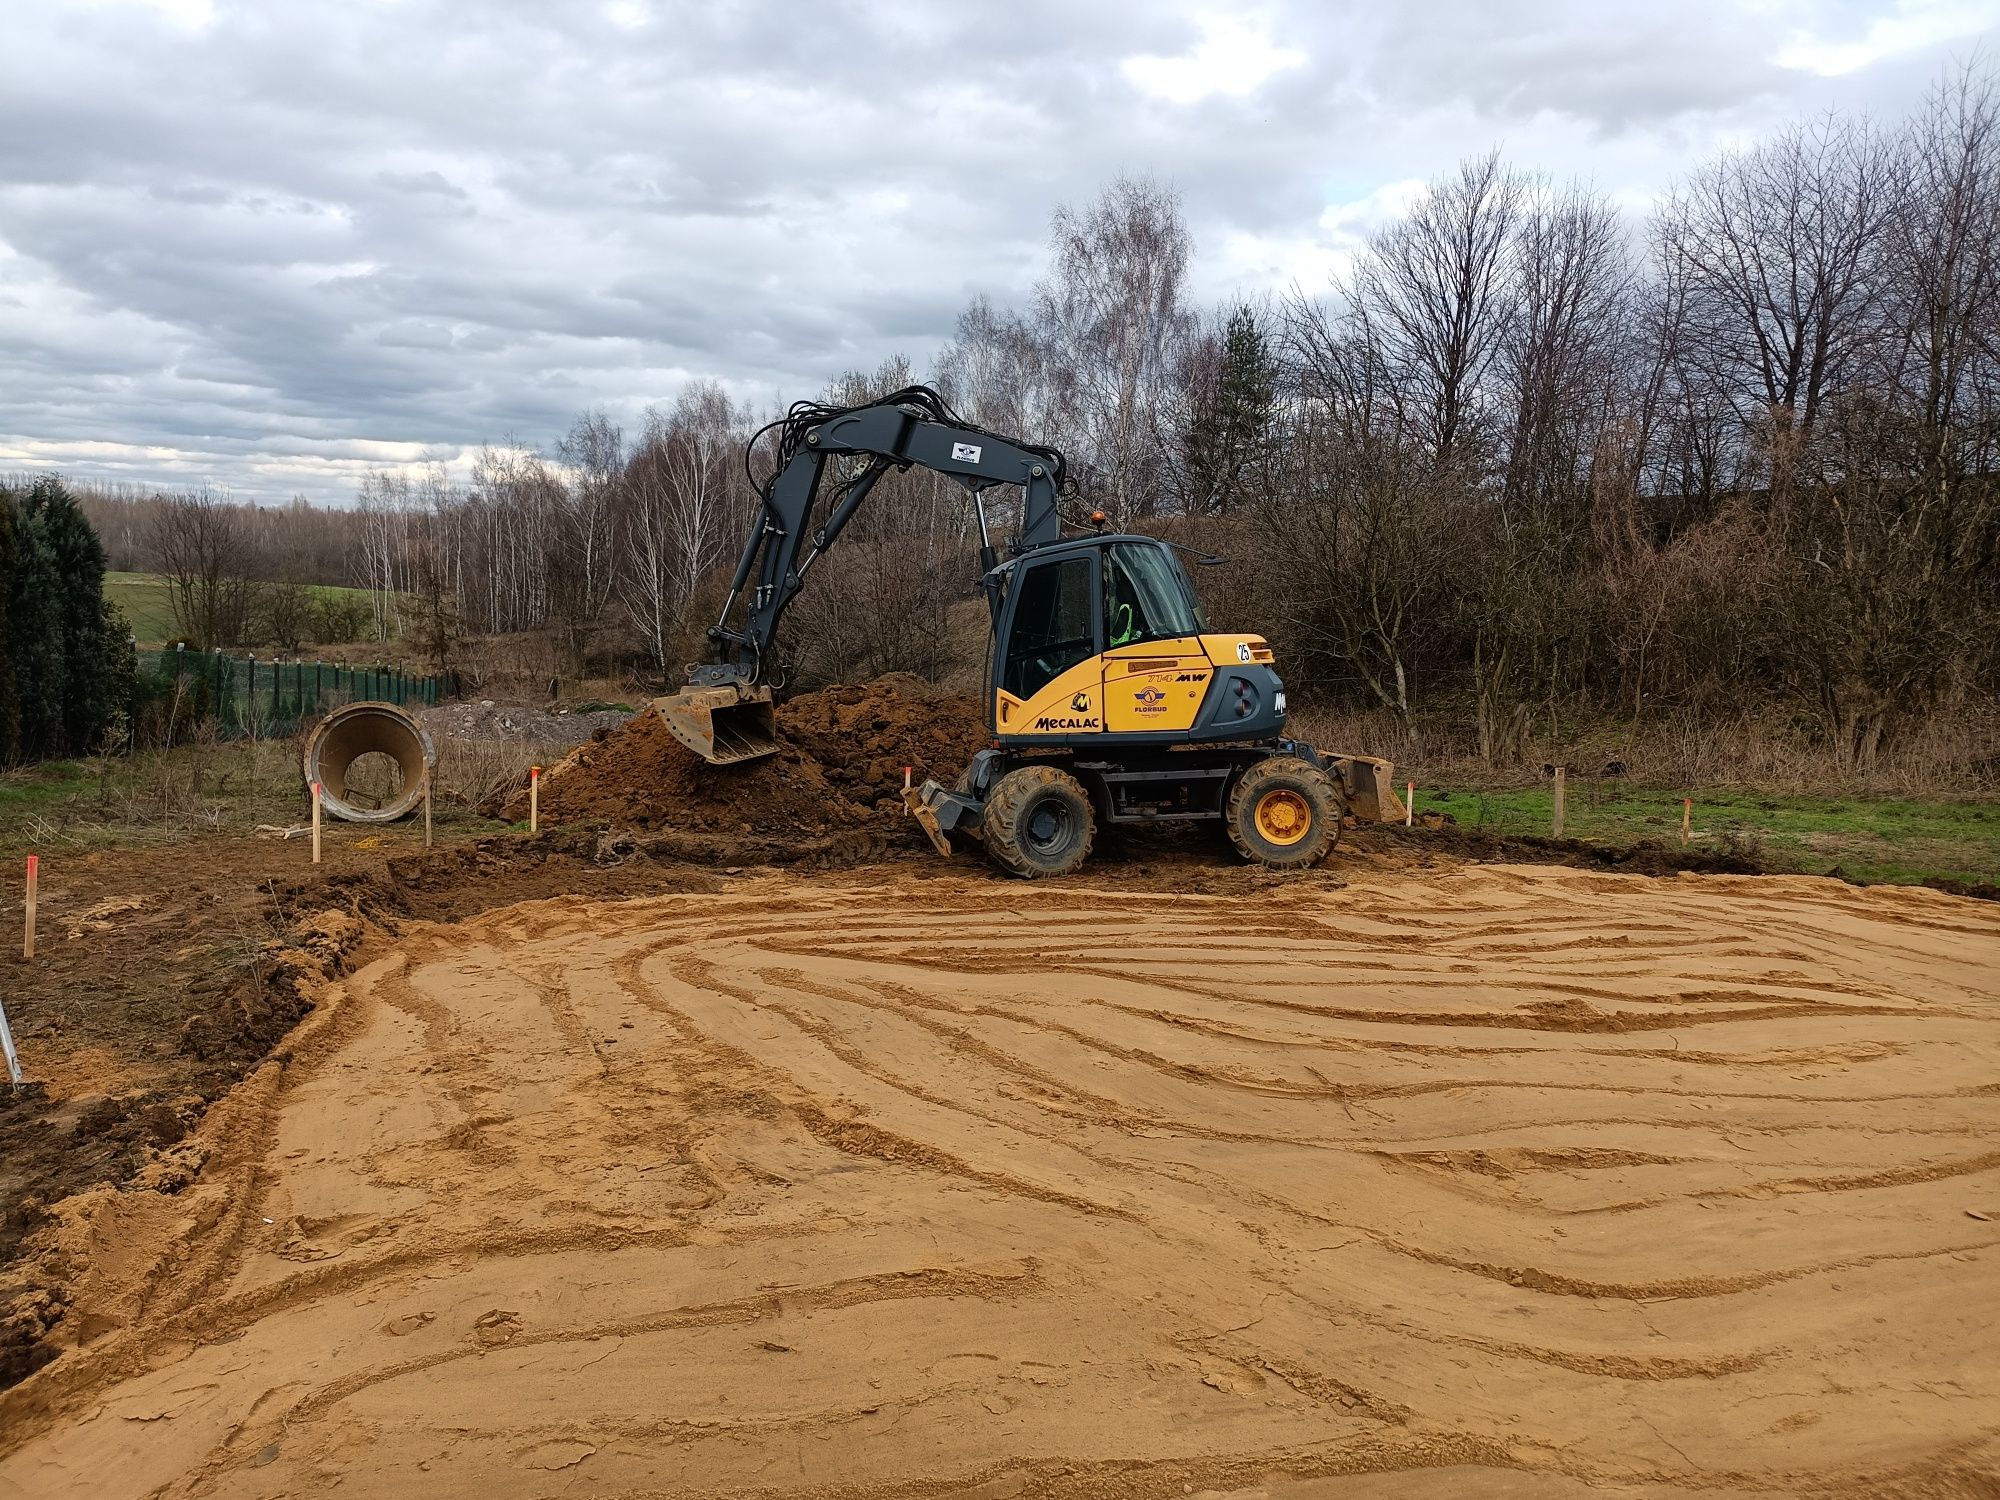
(1283, 816)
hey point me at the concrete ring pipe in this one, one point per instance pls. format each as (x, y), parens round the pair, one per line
(357, 729)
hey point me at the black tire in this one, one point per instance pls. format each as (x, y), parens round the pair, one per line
(1038, 822)
(1283, 813)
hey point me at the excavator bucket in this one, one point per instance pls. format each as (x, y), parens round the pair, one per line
(1371, 788)
(722, 724)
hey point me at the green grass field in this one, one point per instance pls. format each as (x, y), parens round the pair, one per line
(149, 610)
(1864, 838)
(147, 601)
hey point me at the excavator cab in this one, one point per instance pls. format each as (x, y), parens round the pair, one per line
(1102, 636)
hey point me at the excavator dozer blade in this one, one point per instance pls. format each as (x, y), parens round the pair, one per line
(1371, 788)
(722, 725)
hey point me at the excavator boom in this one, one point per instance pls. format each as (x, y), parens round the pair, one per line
(724, 713)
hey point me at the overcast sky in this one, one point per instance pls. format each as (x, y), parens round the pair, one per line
(268, 244)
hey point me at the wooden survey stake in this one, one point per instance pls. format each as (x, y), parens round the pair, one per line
(28, 926)
(316, 802)
(1561, 776)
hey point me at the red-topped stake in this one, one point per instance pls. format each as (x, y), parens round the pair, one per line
(28, 935)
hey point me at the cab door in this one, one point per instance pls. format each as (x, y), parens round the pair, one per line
(1048, 682)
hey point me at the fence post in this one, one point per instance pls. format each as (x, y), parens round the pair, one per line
(1560, 777)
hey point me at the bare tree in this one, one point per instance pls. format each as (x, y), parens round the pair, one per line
(379, 512)
(1942, 278)
(200, 547)
(594, 451)
(1779, 247)
(1560, 352)
(1111, 313)
(1362, 531)
(687, 500)
(1433, 295)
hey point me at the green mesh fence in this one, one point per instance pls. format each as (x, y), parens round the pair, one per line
(246, 694)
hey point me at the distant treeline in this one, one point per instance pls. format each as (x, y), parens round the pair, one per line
(1527, 461)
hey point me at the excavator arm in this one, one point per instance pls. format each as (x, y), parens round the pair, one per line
(724, 713)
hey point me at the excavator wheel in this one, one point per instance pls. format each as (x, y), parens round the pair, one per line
(1283, 813)
(1038, 822)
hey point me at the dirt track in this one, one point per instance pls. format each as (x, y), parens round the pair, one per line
(1500, 1180)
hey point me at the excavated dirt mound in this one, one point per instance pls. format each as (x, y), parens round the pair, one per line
(841, 756)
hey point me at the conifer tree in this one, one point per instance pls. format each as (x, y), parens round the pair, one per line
(79, 563)
(10, 708)
(1229, 434)
(35, 616)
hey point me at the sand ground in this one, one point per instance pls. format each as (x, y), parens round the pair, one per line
(1482, 1181)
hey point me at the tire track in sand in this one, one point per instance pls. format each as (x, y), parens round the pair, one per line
(815, 1188)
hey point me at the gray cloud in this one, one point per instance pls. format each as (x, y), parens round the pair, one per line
(269, 246)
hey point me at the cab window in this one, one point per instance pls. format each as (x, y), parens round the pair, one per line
(1145, 596)
(1052, 630)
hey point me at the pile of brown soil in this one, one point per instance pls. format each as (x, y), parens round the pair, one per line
(840, 759)
(862, 737)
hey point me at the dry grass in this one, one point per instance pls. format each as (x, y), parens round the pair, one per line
(1953, 754)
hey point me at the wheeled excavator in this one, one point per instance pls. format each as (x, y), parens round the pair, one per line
(1108, 699)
